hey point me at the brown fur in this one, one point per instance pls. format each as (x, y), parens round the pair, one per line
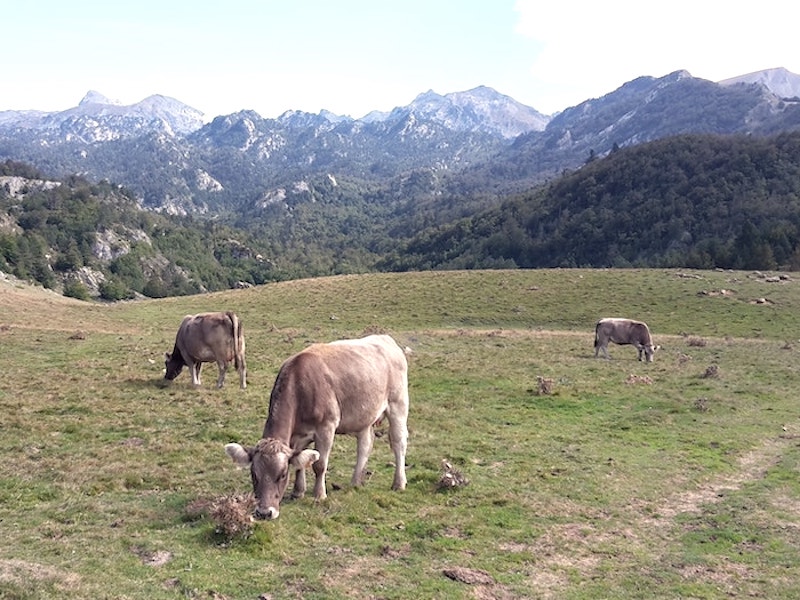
(326, 389)
(624, 331)
(208, 337)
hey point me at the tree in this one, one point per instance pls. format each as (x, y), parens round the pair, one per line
(113, 290)
(73, 288)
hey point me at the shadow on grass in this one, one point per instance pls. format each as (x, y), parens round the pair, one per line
(150, 384)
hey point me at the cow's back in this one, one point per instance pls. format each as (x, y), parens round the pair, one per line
(641, 333)
(206, 336)
(348, 382)
(622, 331)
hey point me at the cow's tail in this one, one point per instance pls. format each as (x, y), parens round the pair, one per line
(238, 340)
(597, 335)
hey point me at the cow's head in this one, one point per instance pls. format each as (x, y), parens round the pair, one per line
(270, 462)
(649, 350)
(173, 365)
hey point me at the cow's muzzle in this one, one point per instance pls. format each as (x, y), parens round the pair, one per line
(270, 514)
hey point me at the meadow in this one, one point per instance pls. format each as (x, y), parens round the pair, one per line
(621, 479)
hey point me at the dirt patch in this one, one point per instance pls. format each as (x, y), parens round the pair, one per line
(752, 466)
(21, 573)
(584, 547)
(468, 576)
(152, 558)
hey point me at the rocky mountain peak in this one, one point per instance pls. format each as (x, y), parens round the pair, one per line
(94, 97)
(779, 81)
(480, 109)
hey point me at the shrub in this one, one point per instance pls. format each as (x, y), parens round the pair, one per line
(114, 290)
(75, 289)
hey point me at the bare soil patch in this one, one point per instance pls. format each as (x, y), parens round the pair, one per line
(20, 572)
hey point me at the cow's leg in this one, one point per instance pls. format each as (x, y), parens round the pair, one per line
(604, 349)
(195, 369)
(299, 489)
(241, 367)
(364, 441)
(223, 367)
(323, 442)
(398, 440)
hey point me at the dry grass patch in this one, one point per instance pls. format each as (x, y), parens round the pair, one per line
(25, 574)
(233, 515)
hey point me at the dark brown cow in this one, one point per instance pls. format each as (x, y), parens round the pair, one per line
(208, 337)
(624, 331)
(341, 387)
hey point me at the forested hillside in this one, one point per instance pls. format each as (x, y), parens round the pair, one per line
(700, 201)
(94, 240)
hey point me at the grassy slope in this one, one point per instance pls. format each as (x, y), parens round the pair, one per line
(666, 484)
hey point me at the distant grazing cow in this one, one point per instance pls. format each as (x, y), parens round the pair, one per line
(624, 331)
(208, 337)
(341, 387)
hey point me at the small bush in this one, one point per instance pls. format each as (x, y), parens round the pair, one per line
(114, 290)
(75, 289)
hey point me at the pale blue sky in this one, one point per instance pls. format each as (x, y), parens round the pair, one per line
(354, 56)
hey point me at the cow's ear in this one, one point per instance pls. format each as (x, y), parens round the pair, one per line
(304, 459)
(238, 454)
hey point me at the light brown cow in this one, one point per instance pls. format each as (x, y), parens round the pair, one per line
(208, 337)
(624, 331)
(341, 387)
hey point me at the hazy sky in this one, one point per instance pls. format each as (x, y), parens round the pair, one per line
(354, 56)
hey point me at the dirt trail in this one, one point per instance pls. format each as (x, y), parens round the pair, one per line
(584, 547)
(752, 467)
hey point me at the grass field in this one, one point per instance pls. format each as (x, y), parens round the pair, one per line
(676, 479)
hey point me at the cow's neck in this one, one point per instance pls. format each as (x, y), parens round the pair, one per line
(280, 423)
(177, 356)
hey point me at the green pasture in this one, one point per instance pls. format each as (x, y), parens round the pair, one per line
(676, 479)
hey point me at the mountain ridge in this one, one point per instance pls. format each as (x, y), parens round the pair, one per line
(174, 161)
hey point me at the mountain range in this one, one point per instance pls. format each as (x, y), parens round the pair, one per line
(311, 194)
(162, 150)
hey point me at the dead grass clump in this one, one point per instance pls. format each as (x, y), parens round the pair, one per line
(15, 572)
(451, 477)
(696, 342)
(373, 330)
(469, 576)
(701, 404)
(545, 385)
(716, 293)
(78, 335)
(683, 358)
(233, 515)
(711, 372)
(633, 379)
